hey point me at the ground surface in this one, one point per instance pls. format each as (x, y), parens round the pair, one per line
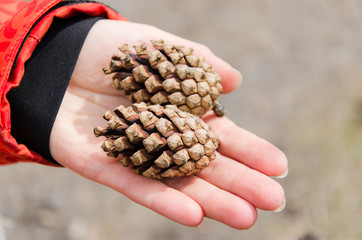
(301, 62)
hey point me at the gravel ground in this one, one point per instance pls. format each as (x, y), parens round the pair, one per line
(301, 62)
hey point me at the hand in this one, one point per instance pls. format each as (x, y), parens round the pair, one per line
(229, 190)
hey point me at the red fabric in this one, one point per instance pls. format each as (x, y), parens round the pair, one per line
(17, 17)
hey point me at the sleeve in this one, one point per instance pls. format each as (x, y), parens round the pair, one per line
(36, 101)
(21, 32)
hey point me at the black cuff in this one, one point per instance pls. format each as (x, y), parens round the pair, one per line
(35, 103)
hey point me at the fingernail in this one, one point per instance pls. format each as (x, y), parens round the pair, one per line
(282, 206)
(284, 174)
(240, 78)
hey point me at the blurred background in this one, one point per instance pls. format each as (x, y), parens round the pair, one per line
(301, 62)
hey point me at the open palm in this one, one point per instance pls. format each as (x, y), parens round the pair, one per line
(229, 190)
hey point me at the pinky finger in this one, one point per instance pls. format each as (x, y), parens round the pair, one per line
(216, 203)
(152, 194)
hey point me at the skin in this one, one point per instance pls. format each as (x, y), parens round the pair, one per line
(229, 190)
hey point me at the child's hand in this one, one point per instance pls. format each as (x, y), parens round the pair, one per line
(229, 190)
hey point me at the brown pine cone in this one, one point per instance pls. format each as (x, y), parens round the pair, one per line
(167, 74)
(158, 142)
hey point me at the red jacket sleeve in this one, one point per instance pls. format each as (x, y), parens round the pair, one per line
(22, 26)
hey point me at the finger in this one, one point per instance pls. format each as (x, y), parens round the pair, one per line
(152, 194)
(217, 203)
(253, 186)
(247, 148)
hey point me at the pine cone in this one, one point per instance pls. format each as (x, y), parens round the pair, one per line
(167, 75)
(158, 142)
